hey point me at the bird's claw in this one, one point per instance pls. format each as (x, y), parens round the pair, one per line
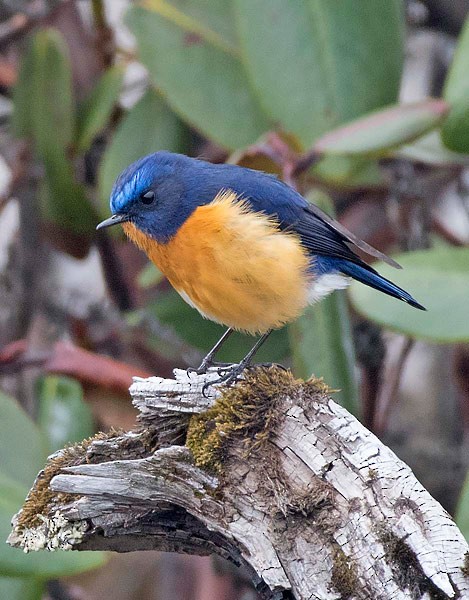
(205, 365)
(227, 375)
(230, 373)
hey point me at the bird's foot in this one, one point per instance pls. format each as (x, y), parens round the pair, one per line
(230, 374)
(205, 365)
(227, 375)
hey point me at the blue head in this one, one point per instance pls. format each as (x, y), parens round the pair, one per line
(151, 194)
(160, 191)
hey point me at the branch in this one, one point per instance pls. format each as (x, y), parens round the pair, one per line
(271, 474)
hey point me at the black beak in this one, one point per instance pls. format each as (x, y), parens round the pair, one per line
(114, 220)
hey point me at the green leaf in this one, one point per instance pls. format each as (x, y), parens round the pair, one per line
(457, 81)
(318, 63)
(63, 415)
(321, 343)
(63, 200)
(23, 449)
(149, 126)
(45, 111)
(198, 70)
(12, 490)
(462, 509)
(43, 95)
(94, 112)
(430, 150)
(21, 588)
(382, 130)
(23, 94)
(208, 18)
(200, 333)
(438, 279)
(349, 172)
(455, 131)
(321, 339)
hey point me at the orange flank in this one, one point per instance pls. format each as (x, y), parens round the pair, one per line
(235, 266)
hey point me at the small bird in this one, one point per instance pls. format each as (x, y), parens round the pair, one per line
(242, 247)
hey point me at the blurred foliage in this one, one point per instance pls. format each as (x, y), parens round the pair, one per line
(439, 278)
(20, 460)
(24, 447)
(456, 127)
(63, 415)
(204, 81)
(348, 172)
(430, 150)
(383, 130)
(313, 60)
(21, 588)
(45, 112)
(94, 112)
(327, 55)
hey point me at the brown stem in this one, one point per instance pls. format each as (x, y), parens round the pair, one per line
(113, 272)
(306, 161)
(390, 384)
(104, 34)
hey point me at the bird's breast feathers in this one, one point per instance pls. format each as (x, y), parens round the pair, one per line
(234, 265)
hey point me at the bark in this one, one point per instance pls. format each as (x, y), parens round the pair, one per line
(271, 474)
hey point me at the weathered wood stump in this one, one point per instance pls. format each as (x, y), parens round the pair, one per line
(271, 474)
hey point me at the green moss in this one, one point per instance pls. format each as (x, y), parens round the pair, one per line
(406, 567)
(344, 575)
(465, 568)
(40, 499)
(317, 385)
(245, 413)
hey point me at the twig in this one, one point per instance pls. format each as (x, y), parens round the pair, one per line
(104, 33)
(390, 380)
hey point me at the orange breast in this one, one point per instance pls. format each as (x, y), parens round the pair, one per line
(233, 265)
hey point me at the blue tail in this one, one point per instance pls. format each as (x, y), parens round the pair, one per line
(369, 276)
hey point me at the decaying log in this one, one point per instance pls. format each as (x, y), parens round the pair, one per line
(271, 474)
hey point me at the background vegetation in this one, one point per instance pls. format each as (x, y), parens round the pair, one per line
(359, 104)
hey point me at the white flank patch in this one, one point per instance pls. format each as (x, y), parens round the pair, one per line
(325, 284)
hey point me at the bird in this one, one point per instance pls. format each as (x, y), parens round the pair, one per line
(241, 246)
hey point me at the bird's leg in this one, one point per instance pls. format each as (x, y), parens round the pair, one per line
(232, 373)
(208, 360)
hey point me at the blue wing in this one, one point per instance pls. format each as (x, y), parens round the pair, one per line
(319, 233)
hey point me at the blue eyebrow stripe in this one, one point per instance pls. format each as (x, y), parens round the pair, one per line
(127, 188)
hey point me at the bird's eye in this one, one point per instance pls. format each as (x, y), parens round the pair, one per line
(147, 197)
